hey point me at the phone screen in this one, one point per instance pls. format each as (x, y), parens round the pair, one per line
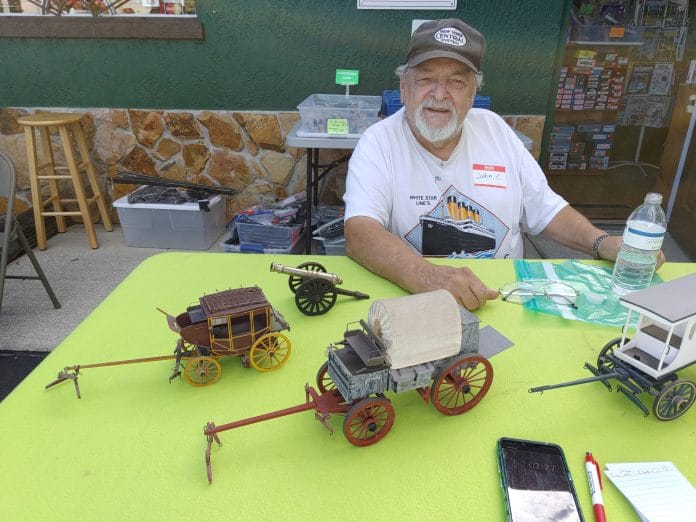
(536, 482)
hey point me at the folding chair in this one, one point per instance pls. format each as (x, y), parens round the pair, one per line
(13, 230)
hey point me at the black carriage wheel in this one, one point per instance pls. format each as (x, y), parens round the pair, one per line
(368, 421)
(315, 297)
(294, 280)
(674, 399)
(324, 381)
(461, 385)
(608, 349)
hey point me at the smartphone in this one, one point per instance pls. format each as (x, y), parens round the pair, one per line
(536, 482)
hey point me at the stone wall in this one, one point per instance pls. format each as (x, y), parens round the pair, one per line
(242, 150)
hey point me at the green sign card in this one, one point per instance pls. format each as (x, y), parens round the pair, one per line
(337, 126)
(347, 76)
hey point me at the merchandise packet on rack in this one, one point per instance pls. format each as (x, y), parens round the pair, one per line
(597, 302)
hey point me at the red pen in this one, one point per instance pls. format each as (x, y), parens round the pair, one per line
(594, 478)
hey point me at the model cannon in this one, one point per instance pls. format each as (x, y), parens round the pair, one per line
(237, 322)
(424, 342)
(315, 289)
(646, 357)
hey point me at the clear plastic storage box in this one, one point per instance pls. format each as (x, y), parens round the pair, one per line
(161, 225)
(317, 109)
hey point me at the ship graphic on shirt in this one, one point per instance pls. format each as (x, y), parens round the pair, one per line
(457, 227)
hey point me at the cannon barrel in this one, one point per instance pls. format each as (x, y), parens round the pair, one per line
(301, 272)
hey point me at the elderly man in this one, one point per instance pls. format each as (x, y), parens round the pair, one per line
(440, 178)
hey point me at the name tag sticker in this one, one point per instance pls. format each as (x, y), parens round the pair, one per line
(337, 126)
(489, 176)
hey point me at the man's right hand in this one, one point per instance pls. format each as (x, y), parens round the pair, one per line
(462, 283)
(381, 252)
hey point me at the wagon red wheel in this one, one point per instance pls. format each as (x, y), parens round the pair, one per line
(324, 381)
(608, 349)
(368, 421)
(462, 384)
(294, 281)
(674, 399)
(270, 352)
(201, 371)
(315, 297)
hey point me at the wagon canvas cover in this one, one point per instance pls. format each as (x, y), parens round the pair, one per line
(418, 328)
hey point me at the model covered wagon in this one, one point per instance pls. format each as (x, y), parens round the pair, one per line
(424, 342)
(647, 357)
(237, 322)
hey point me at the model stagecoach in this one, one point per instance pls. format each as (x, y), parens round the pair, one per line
(237, 322)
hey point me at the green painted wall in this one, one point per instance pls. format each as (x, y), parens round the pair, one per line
(271, 54)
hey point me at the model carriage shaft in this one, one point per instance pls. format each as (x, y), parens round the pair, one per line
(301, 272)
(601, 377)
(125, 361)
(212, 429)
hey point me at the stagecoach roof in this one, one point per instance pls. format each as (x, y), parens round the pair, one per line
(674, 300)
(233, 301)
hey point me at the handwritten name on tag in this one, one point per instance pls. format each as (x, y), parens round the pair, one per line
(489, 176)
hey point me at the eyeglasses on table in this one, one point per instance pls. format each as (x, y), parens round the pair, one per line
(521, 292)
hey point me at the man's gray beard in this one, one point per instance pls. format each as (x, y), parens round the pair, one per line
(439, 134)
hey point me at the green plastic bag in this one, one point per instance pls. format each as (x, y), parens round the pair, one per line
(597, 302)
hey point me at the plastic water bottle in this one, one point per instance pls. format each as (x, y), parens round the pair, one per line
(642, 240)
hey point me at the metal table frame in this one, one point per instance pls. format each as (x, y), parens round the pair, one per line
(315, 170)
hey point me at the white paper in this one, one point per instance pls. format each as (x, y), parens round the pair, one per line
(657, 490)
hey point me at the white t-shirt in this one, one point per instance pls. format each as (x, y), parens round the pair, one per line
(472, 205)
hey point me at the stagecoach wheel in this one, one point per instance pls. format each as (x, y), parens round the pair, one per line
(202, 371)
(324, 381)
(608, 349)
(270, 352)
(368, 421)
(674, 399)
(294, 280)
(315, 297)
(462, 384)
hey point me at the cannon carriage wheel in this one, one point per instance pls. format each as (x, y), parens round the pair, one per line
(368, 421)
(294, 280)
(270, 352)
(674, 399)
(461, 385)
(202, 371)
(315, 297)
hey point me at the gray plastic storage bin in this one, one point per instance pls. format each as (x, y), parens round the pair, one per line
(268, 235)
(253, 248)
(181, 227)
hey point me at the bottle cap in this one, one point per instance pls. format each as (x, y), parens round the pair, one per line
(653, 197)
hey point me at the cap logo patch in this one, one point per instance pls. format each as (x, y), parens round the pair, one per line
(450, 36)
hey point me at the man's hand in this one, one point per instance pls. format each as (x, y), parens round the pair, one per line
(609, 249)
(461, 282)
(381, 252)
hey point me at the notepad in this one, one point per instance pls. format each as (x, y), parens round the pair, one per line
(657, 490)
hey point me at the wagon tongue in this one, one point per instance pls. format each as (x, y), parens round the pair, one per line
(68, 373)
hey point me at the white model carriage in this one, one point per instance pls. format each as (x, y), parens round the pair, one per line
(647, 356)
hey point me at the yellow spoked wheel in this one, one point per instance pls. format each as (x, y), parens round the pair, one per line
(202, 371)
(270, 352)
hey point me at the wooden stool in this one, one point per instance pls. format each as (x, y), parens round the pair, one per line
(66, 124)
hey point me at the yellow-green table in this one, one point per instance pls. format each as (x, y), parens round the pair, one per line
(133, 447)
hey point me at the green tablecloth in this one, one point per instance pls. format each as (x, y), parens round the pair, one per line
(132, 448)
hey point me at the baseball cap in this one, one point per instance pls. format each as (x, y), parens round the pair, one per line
(446, 38)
